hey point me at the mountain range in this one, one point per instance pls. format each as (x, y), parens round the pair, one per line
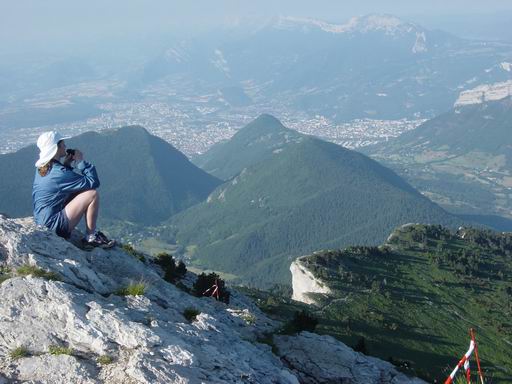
(285, 194)
(375, 66)
(295, 194)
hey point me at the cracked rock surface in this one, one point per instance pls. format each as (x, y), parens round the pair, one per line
(106, 338)
(322, 359)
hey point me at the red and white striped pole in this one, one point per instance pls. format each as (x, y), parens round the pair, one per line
(472, 333)
(464, 362)
(214, 289)
(461, 363)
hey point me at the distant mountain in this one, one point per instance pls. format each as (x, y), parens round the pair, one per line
(375, 66)
(143, 178)
(259, 140)
(414, 298)
(309, 195)
(461, 159)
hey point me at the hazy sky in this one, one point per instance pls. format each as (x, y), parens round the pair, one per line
(25, 22)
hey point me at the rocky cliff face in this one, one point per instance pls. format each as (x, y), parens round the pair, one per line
(68, 326)
(484, 93)
(303, 283)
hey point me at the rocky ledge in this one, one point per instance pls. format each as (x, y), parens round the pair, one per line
(67, 325)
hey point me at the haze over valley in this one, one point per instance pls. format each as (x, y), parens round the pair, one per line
(357, 82)
(300, 192)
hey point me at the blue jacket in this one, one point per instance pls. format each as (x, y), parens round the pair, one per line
(52, 192)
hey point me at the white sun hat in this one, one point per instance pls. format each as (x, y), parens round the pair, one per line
(47, 144)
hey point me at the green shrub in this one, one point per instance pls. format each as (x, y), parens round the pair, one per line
(133, 252)
(105, 360)
(204, 286)
(302, 321)
(18, 353)
(26, 270)
(172, 272)
(183, 287)
(134, 289)
(57, 350)
(191, 314)
(271, 301)
(181, 268)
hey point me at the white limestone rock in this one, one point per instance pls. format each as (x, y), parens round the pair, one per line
(323, 359)
(304, 283)
(484, 93)
(47, 369)
(147, 337)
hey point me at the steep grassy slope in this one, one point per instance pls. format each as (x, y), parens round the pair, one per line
(414, 298)
(309, 196)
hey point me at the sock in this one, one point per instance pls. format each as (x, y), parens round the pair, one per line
(91, 236)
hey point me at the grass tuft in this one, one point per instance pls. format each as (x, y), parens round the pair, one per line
(18, 353)
(4, 278)
(26, 270)
(5, 273)
(249, 318)
(191, 314)
(57, 350)
(134, 289)
(105, 360)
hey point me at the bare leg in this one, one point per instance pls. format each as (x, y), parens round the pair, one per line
(86, 203)
(91, 214)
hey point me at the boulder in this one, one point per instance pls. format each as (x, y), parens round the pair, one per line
(322, 359)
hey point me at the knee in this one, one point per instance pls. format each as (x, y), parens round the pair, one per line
(94, 194)
(91, 195)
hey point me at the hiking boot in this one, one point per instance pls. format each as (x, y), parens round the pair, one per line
(102, 236)
(98, 239)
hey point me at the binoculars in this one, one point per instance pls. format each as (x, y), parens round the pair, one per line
(70, 151)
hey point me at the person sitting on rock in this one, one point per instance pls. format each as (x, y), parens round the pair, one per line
(61, 196)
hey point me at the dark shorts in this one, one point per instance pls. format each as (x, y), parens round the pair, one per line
(61, 224)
